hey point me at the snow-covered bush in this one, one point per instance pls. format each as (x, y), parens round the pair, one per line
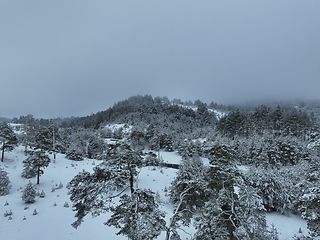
(4, 183)
(35, 212)
(42, 194)
(6, 214)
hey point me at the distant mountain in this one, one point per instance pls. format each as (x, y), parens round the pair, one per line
(4, 119)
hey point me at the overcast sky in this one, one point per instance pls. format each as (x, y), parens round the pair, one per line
(72, 58)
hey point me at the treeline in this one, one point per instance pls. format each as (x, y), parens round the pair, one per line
(279, 121)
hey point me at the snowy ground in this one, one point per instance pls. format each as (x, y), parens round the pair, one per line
(54, 222)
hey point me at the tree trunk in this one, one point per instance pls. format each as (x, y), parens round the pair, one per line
(38, 175)
(167, 234)
(231, 228)
(131, 182)
(2, 156)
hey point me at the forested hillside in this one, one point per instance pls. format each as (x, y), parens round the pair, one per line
(260, 160)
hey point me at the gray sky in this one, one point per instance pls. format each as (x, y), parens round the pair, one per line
(73, 58)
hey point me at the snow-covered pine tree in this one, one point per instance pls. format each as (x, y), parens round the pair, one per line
(310, 210)
(4, 183)
(95, 146)
(271, 185)
(8, 139)
(43, 139)
(138, 216)
(137, 138)
(36, 161)
(75, 152)
(218, 216)
(93, 192)
(191, 181)
(212, 224)
(29, 194)
(250, 214)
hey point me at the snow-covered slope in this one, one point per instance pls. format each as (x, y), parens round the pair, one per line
(54, 222)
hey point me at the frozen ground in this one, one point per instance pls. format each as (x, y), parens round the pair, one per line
(54, 222)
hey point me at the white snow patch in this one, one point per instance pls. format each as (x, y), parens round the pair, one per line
(287, 226)
(125, 127)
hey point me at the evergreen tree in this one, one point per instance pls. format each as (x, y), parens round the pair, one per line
(310, 210)
(4, 183)
(250, 214)
(95, 146)
(75, 152)
(191, 181)
(138, 216)
(93, 192)
(272, 187)
(36, 161)
(137, 139)
(29, 194)
(222, 175)
(43, 139)
(8, 138)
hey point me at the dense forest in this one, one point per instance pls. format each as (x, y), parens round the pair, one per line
(261, 158)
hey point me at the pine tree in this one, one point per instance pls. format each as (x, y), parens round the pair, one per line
(43, 139)
(191, 180)
(35, 163)
(93, 192)
(138, 216)
(95, 146)
(250, 214)
(222, 176)
(137, 139)
(75, 152)
(8, 138)
(272, 187)
(310, 210)
(29, 194)
(4, 183)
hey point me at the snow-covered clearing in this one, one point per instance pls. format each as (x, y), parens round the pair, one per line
(54, 222)
(287, 225)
